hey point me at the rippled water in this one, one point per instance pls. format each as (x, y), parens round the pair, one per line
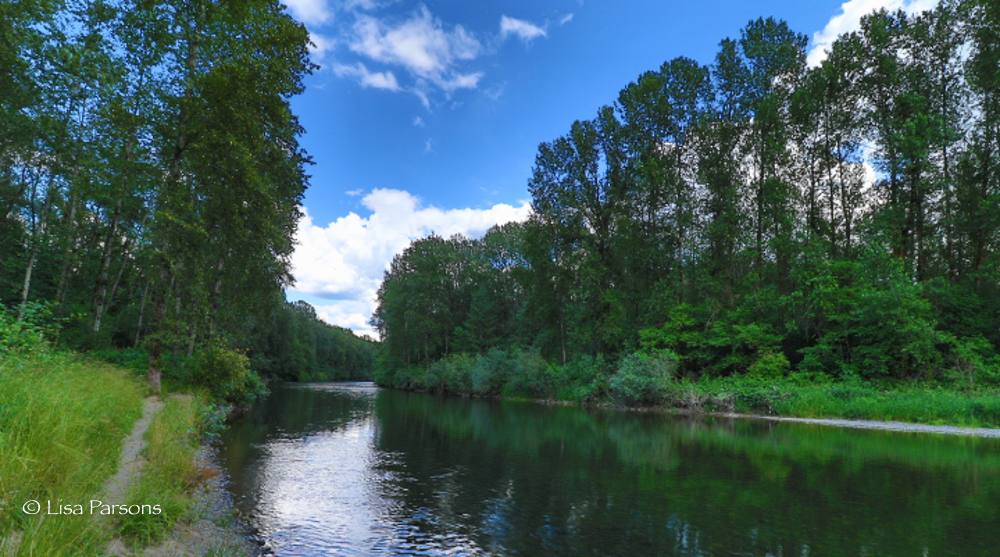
(348, 469)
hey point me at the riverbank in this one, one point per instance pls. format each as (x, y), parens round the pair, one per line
(651, 382)
(903, 427)
(65, 424)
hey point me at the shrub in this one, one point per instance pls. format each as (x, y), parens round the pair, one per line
(643, 378)
(226, 374)
(583, 379)
(28, 334)
(489, 373)
(769, 365)
(529, 375)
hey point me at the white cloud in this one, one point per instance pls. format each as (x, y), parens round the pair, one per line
(361, 5)
(418, 121)
(461, 81)
(310, 12)
(424, 99)
(378, 80)
(849, 19)
(566, 19)
(524, 30)
(421, 45)
(320, 46)
(348, 314)
(428, 147)
(344, 261)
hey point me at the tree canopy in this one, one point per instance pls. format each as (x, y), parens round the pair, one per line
(750, 216)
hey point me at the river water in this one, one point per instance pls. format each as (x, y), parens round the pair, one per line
(350, 469)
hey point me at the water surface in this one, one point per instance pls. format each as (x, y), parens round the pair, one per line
(349, 469)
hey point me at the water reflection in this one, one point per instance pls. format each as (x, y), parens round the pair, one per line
(348, 469)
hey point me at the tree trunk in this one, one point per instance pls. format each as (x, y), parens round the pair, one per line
(35, 241)
(173, 176)
(101, 292)
(68, 254)
(142, 310)
(216, 291)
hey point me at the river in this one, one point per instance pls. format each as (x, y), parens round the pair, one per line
(350, 469)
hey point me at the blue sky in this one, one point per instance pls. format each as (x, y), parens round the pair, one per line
(426, 116)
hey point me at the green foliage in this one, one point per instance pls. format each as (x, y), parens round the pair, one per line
(769, 365)
(530, 375)
(171, 183)
(643, 379)
(170, 474)
(132, 359)
(881, 328)
(974, 362)
(583, 380)
(296, 345)
(227, 375)
(62, 421)
(26, 335)
(724, 214)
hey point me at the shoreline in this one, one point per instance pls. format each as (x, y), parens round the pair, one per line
(214, 526)
(903, 427)
(863, 424)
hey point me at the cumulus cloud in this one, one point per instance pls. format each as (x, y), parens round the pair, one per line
(421, 45)
(320, 46)
(377, 80)
(344, 261)
(310, 12)
(849, 19)
(522, 29)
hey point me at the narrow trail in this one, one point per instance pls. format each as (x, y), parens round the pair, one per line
(131, 460)
(130, 465)
(198, 536)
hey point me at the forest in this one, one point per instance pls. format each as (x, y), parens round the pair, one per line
(754, 217)
(151, 182)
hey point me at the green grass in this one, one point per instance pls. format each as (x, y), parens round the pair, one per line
(925, 404)
(62, 422)
(170, 474)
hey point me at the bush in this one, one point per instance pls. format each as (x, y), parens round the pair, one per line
(28, 334)
(643, 378)
(974, 361)
(135, 360)
(529, 375)
(583, 379)
(489, 373)
(769, 365)
(226, 374)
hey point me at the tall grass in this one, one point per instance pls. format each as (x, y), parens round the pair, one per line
(902, 402)
(170, 473)
(62, 421)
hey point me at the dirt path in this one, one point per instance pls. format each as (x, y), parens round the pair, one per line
(131, 461)
(211, 528)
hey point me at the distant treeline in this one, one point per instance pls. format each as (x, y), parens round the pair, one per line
(151, 179)
(750, 217)
(301, 347)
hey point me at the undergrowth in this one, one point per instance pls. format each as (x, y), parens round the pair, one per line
(170, 474)
(62, 421)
